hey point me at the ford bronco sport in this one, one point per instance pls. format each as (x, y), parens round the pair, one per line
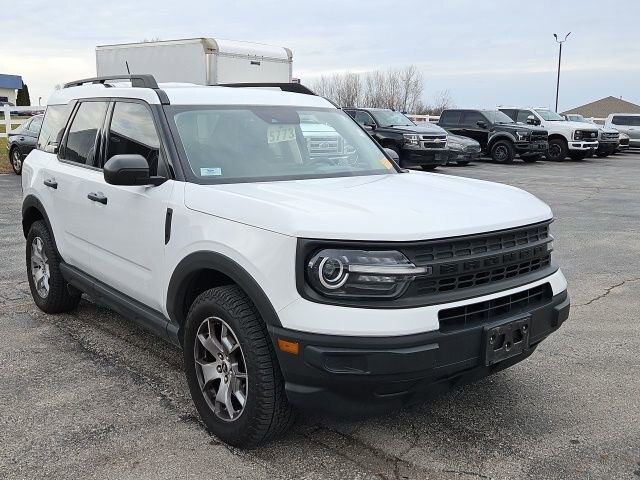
(289, 280)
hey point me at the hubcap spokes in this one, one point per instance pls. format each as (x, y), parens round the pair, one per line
(17, 163)
(221, 369)
(40, 267)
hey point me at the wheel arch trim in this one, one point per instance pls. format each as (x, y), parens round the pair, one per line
(206, 260)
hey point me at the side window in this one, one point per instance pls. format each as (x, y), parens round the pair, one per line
(351, 113)
(511, 113)
(451, 118)
(133, 132)
(523, 116)
(55, 119)
(81, 145)
(471, 119)
(35, 125)
(363, 118)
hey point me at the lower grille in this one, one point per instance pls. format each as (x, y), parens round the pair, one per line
(539, 137)
(484, 312)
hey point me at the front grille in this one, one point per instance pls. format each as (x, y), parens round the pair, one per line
(489, 310)
(539, 137)
(489, 243)
(589, 135)
(482, 277)
(324, 145)
(429, 141)
(610, 137)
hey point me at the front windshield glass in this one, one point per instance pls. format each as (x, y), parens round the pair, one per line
(550, 116)
(496, 116)
(226, 144)
(389, 118)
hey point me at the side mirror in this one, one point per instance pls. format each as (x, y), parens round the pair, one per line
(392, 154)
(129, 170)
(481, 124)
(531, 120)
(369, 127)
(51, 148)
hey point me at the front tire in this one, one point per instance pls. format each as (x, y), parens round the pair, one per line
(428, 168)
(578, 155)
(16, 160)
(232, 370)
(50, 291)
(502, 152)
(557, 150)
(463, 163)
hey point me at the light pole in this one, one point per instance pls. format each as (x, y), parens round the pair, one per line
(560, 42)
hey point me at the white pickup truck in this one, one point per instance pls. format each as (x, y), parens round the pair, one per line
(573, 139)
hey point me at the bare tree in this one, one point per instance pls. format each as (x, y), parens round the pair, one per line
(442, 101)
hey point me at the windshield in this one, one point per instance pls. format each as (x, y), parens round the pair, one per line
(389, 118)
(550, 116)
(495, 116)
(265, 143)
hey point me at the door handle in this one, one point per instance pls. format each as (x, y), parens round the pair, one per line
(51, 182)
(97, 197)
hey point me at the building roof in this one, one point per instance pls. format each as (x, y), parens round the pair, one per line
(603, 107)
(12, 82)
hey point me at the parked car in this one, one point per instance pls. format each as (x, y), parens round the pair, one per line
(497, 134)
(198, 213)
(463, 150)
(423, 145)
(324, 144)
(627, 123)
(608, 138)
(22, 140)
(565, 138)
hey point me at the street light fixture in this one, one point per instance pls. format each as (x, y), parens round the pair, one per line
(560, 42)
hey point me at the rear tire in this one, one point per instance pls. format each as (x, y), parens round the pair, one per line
(15, 157)
(557, 150)
(502, 152)
(50, 291)
(265, 411)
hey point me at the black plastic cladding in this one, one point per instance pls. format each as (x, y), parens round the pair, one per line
(463, 267)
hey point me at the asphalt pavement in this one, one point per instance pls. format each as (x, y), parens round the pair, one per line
(87, 395)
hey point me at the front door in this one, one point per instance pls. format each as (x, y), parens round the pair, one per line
(127, 228)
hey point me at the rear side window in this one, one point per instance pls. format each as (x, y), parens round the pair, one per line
(626, 120)
(133, 132)
(55, 119)
(363, 118)
(81, 145)
(450, 117)
(471, 119)
(523, 116)
(35, 125)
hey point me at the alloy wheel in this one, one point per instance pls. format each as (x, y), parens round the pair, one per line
(221, 369)
(40, 267)
(501, 153)
(16, 160)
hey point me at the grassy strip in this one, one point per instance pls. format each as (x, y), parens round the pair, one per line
(5, 166)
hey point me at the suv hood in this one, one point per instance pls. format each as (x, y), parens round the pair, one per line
(402, 207)
(513, 127)
(419, 128)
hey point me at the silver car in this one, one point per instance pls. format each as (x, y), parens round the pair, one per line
(628, 123)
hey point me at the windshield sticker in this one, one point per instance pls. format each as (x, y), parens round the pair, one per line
(281, 133)
(386, 163)
(210, 172)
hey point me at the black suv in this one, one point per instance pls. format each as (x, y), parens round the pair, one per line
(423, 145)
(498, 134)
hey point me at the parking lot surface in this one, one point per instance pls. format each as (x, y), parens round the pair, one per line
(88, 395)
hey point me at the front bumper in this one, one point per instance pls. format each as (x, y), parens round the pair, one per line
(464, 155)
(583, 146)
(531, 147)
(417, 156)
(356, 376)
(607, 147)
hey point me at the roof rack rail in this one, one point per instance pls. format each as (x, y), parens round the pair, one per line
(141, 81)
(285, 87)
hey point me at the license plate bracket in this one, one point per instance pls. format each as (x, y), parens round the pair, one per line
(506, 340)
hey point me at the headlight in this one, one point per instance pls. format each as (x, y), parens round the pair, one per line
(523, 136)
(577, 135)
(623, 136)
(360, 273)
(411, 139)
(455, 146)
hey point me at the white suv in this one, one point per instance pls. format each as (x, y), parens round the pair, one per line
(289, 280)
(572, 139)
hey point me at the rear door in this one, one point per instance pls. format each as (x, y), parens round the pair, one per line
(472, 128)
(126, 233)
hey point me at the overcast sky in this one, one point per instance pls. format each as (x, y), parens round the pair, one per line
(485, 52)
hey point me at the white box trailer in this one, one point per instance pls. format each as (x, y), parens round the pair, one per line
(203, 61)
